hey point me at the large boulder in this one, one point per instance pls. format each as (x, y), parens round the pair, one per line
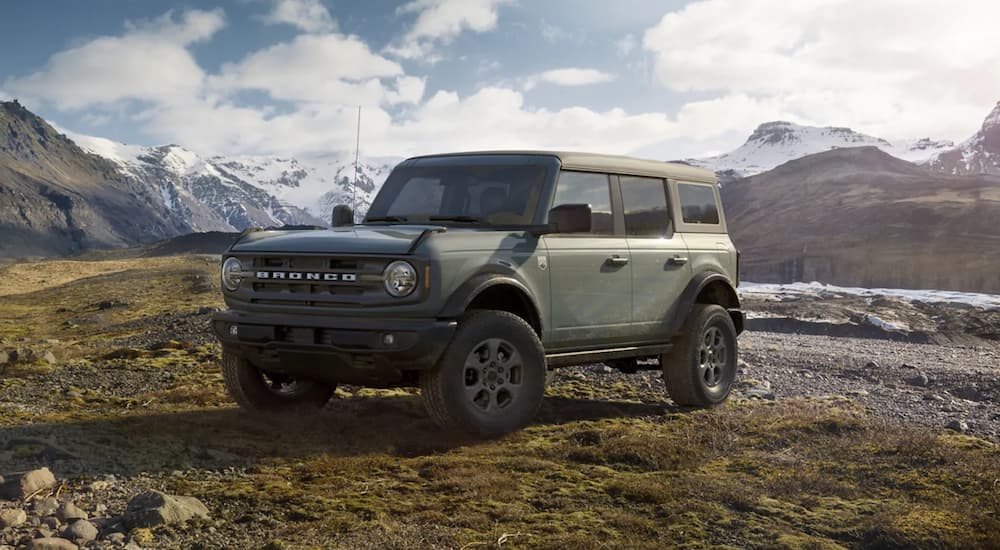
(21, 485)
(51, 543)
(154, 508)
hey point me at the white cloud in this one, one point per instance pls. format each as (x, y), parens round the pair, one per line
(308, 15)
(573, 76)
(440, 21)
(328, 68)
(150, 62)
(554, 33)
(891, 68)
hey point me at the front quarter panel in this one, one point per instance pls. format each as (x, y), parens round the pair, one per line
(459, 257)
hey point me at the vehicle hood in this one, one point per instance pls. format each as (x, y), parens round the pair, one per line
(397, 239)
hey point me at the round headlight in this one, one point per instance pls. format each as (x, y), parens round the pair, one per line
(232, 274)
(400, 279)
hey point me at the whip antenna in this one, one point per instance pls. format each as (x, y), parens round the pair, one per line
(357, 153)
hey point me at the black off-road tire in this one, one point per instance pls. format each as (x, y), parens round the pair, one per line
(254, 392)
(693, 372)
(490, 380)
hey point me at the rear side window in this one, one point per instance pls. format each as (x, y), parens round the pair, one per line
(645, 201)
(698, 203)
(588, 188)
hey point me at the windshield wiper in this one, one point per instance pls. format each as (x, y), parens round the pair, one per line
(386, 219)
(460, 219)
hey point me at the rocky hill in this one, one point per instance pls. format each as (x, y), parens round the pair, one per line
(861, 217)
(980, 154)
(62, 192)
(55, 198)
(774, 143)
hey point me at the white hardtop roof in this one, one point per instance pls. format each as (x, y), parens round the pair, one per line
(613, 164)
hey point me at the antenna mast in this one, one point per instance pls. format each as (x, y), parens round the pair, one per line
(357, 154)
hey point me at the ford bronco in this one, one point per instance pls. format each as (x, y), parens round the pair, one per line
(473, 274)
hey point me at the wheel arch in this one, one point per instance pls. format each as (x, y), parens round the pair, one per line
(496, 291)
(709, 287)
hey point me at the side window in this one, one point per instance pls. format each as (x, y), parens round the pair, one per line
(698, 203)
(588, 188)
(646, 213)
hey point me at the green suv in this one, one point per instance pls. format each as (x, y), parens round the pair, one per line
(473, 274)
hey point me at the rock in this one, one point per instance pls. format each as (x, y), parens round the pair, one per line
(154, 508)
(920, 380)
(46, 506)
(25, 484)
(68, 512)
(51, 522)
(81, 531)
(116, 538)
(12, 517)
(51, 543)
(49, 357)
(99, 485)
(957, 425)
(607, 370)
(5, 357)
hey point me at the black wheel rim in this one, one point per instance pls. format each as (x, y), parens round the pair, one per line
(713, 356)
(493, 376)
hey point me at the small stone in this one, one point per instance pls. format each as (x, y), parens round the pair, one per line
(957, 425)
(607, 370)
(68, 512)
(154, 508)
(81, 531)
(51, 522)
(4, 357)
(12, 517)
(116, 538)
(49, 357)
(73, 394)
(26, 484)
(859, 393)
(920, 380)
(100, 508)
(46, 506)
(51, 543)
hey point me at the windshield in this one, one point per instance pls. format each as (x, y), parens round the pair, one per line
(486, 190)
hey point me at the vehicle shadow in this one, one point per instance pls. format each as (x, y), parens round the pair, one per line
(218, 438)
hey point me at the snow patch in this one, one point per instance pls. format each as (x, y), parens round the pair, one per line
(821, 290)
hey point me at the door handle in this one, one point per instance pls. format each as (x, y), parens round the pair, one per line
(616, 261)
(678, 260)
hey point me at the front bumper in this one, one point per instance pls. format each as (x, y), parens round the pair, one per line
(345, 350)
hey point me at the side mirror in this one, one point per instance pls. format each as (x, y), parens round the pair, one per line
(342, 215)
(570, 218)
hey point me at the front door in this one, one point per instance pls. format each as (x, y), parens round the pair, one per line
(660, 267)
(591, 273)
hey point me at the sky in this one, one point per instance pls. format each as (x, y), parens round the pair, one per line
(663, 79)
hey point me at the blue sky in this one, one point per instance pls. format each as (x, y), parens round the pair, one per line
(659, 78)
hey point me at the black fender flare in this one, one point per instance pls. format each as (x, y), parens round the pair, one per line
(690, 294)
(460, 299)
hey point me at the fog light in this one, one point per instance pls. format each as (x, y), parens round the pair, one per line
(388, 340)
(234, 330)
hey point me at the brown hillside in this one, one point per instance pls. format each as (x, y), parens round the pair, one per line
(861, 217)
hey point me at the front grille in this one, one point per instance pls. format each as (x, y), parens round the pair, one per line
(312, 281)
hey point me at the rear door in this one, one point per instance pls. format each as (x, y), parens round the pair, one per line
(660, 264)
(591, 275)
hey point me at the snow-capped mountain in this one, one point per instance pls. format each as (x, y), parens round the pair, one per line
(227, 193)
(979, 154)
(775, 143)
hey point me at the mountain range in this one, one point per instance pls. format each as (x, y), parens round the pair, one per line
(803, 202)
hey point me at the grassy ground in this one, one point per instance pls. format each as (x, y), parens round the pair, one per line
(604, 466)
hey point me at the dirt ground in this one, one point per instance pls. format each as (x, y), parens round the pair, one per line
(828, 441)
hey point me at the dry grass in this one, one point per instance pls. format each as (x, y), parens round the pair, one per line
(596, 471)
